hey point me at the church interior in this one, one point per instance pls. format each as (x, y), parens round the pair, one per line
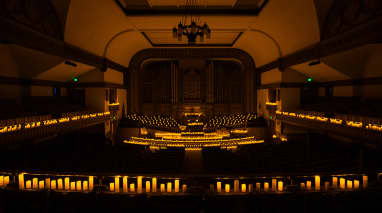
(190, 105)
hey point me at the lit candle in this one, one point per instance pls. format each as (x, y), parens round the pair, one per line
(112, 187)
(6, 180)
(148, 186)
(184, 188)
(176, 186)
(250, 188)
(72, 186)
(79, 188)
(236, 186)
(243, 188)
(227, 188)
(335, 183)
(41, 185)
(91, 183)
(162, 188)
(342, 183)
(1, 180)
(124, 182)
(317, 183)
(47, 183)
(169, 187)
(219, 186)
(258, 187)
(132, 187)
(356, 184)
(266, 186)
(274, 185)
(85, 185)
(116, 182)
(59, 184)
(66, 184)
(280, 186)
(326, 186)
(308, 185)
(302, 186)
(28, 184)
(21, 181)
(139, 184)
(35, 183)
(349, 185)
(364, 181)
(154, 183)
(53, 185)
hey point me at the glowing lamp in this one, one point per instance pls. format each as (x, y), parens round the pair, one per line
(59, 184)
(116, 182)
(53, 185)
(1, 180)
(154, 183)
(21, 181)
(243, 188)
(41, 185)
(6, 180)
(111, 187)
(308, 185)
(169, 187)
(91, 183)
(85, 185)
(349, 185)
(79, 185)
(280, 186)
(176, 186)
(35, 183)
(335, 183)
(266, 186)
(342, 183)
(124, 183)
(356, 184)
(139, 184)
(132, 187)
(66, 184)
(28, 184)
(162, 189)
(219, 187)
(73, 186)
(317, 182)
(227, 188)
(148, 187)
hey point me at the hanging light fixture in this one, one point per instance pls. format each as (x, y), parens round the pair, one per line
(190, 25)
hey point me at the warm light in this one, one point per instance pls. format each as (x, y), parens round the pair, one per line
(184, 188)
(6, 180)
(342, 183)
(176, 186)
(364, 181)
(273, 185)
(35, 183)
(91, 183)
(139, 184)
(326, 185)
(59, 184)
(266, 186)
(79, 187)
(227, 188)
(41, 185)
(356, 184)
(154, 183)
(335, 183)
(1, 180)
(53, 185)
(349, 185)
(243, 188)
(302, 186)
(111, 187)
(132, 187)
(73, 186)
(271, 104)
(335, 121)
(67, 183)
(258, 187)
(28, 184)
(21, 181)
(85, 185)
(317, 182)
(250, 188)
(280, 186)
(236, 186)
(162, 189)
(47, 183)
(308, 185)
(116, 183)
(124, 183)
(169, 187)
(219, 187)
(148, 187)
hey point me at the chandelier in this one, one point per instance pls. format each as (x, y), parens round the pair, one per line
(190, 25)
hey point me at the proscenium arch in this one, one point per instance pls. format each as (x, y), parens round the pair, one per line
(252, 79)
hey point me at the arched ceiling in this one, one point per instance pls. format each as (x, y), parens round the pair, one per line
(292, 24)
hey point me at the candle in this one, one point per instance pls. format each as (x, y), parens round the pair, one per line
(212, 188)
(266, 186)
(116, 182)
(184, 188)
(35, 183)
(139, 184)
(21, 181)
(85, 185)
(273, 185)
(162, 188)
(124, 183)
(342, 183)
(364, 181)
(356, 184)
(132, 187)
(280, 186)
(219, 186)
(236, 186)
(91, 183)
(28, 184)
(176, 186)
(308, 185)
(112, 187)
(6, 180)
(302, 186)
(154, 184)
(41, 185)
(79, 188)
(349, 185)
(250, 188)
(72, 186)
(47, 183)
(1, 180)
(258, 187)
(53, 185)
(326, 186)
(227, 188)
(335, 183)
(148, 186)
(59, 184)
(243, 188)
(66, 184)
(317, 183)
(169, 187)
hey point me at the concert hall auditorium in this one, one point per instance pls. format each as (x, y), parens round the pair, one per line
(191, 106)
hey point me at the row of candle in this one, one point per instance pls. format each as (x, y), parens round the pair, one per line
(150, 186)
(4, 181)
(277, 186)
